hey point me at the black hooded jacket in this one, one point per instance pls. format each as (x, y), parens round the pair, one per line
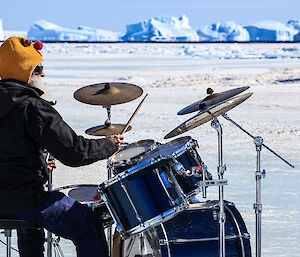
(29, 124)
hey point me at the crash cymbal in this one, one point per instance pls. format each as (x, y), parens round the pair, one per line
(107, 94)
(107, 130)
(211, 100)
(208, 114)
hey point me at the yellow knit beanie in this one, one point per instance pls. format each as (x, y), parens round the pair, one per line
(18, 58)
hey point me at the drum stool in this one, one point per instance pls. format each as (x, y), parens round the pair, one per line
(8, 224)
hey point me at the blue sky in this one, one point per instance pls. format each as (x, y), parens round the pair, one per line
(115, 14)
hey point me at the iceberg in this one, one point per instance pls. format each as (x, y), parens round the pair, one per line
(271, 31)
(1, 31)
(296, 25)
(163, 28)
(227, 31)
(47, 31)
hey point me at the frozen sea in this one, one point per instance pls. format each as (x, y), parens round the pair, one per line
(176, 75)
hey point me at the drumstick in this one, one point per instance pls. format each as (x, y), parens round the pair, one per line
(132, 116)
(47, 157)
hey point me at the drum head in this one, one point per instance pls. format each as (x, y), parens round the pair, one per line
(83, 193)
(133, 150)
(169, 148)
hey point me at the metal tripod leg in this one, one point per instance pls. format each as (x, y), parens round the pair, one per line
(57, 250)
(221, 169)
(258, 206)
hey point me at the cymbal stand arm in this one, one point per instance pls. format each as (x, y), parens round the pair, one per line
(233, 122)
(221, 169)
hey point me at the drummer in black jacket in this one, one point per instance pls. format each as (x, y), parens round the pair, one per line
(28, 125)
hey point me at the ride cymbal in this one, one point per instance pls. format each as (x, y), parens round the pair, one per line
(208, 114)
(109, 93)
(107, 130)
(211, 100)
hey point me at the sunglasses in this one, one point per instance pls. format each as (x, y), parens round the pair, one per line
(39, 69)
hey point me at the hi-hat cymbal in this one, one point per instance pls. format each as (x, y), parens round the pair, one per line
(107, 130)
(208, 114)
(211, 100)
(109, 93)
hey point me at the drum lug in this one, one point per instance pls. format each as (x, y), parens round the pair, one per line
(178, 167)
(246, 235)
(215, 215)
(163, 242)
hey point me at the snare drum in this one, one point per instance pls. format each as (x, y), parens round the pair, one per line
(143, 196)
(183, 151)
(130, 155)
(85, 194)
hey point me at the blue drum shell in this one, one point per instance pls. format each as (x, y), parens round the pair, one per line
(199, 230)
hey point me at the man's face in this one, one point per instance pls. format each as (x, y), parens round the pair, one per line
(37, 81)
(38, 71)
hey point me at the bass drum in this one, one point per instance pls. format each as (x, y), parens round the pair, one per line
(192, 233)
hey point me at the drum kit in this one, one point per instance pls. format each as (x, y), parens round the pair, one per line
(149, 195)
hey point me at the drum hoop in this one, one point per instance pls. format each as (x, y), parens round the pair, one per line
(74, 186)
(195, 240)
(132, 159)
(133, 170)
(165, 216)
(190, 144)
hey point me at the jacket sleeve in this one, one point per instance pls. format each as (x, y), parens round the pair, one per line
(46, 127)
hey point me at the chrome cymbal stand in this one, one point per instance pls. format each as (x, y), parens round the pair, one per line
(109, 229)
(49, 234)
(50, 240)
(221, 169)
(258, 141)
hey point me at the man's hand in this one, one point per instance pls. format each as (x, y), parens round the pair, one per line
(117, 140)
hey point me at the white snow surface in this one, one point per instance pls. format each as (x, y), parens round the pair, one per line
(176, 75)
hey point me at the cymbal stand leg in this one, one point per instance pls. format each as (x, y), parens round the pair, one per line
(109, 229)
(221, 169)
(49, 234)
(258, 206)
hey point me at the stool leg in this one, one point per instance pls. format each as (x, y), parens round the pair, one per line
(7, 233)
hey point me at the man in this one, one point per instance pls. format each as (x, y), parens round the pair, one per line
(28, 125)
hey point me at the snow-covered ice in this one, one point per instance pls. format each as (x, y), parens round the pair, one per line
(1, 31)
(271, 31)
(227, 32)
(163, 28)
(47, 31)
(176, 75)
(170, 28)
